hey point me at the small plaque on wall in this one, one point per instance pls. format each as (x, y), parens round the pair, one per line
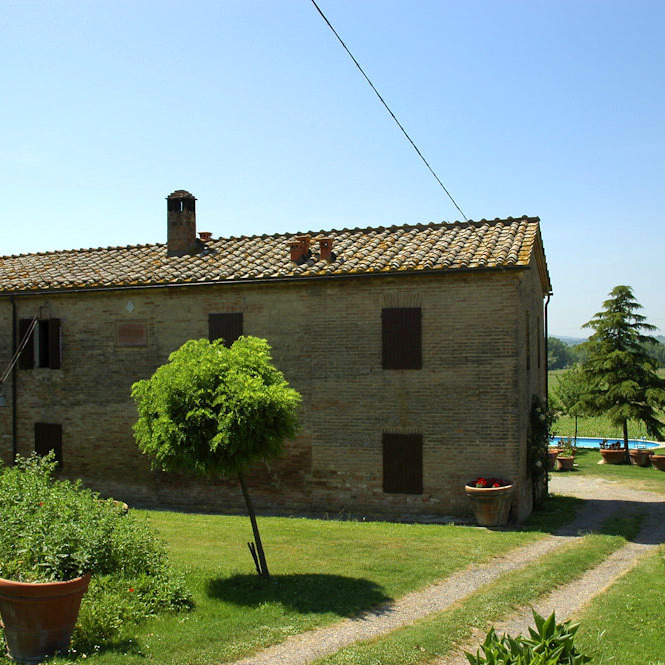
(131, 333)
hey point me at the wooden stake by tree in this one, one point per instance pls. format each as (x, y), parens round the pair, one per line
(213, 410)
(621, 375)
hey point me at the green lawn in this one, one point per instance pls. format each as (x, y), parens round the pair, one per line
(322, 571)
(432, 637)
(637, 477)
(625, 625)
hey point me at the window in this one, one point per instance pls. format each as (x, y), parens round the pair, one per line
(226, 326)
(401, 330)
(48, 437)
(47, 351)
(528, 342)
(403, 463)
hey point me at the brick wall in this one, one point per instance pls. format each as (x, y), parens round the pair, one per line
(469, 401)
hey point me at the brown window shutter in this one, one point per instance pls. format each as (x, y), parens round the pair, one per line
(403, 463)
(401, 329)
(49, 437)
(54, 343)
(227, 326)
(27, 359)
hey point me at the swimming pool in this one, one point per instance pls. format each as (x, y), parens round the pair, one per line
(586, 442)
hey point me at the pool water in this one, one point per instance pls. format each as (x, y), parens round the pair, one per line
(586, 442)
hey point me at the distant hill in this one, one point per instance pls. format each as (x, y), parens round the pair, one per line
(571, 341)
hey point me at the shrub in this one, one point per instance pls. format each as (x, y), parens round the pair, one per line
(55, 530)
(550, 644)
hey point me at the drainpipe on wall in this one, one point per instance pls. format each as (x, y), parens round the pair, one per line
(14, 377)
(547, 387)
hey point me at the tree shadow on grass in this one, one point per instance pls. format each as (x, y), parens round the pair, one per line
(309, 593)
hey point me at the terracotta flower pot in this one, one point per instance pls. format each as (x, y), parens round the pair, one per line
(552, 454)
(658, 462)
(491, 505)
(614, 456)
(565, 463)
(639, 457)
(38, 619)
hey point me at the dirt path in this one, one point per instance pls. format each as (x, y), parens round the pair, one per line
(306, 647)
(569, 599)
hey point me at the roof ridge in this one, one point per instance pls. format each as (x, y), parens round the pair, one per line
(263, 236)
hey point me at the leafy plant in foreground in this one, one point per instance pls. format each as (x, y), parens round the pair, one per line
(55, 530)
(551, 643)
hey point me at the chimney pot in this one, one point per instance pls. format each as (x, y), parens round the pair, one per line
(205, 235)
(300, 249)
(325, 249)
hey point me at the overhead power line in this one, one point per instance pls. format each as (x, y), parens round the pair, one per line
(415, 147)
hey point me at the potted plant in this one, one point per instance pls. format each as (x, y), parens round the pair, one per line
(490, 499)
(612, 453)
(53, 535)
(566, 457)
(639, 456)
(552, 453)
(657, 459)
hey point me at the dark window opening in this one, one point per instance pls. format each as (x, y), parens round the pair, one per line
(48, 437)
(227, 326)
(46, 351)
(528, 342)
(403, 463)
(401, 331)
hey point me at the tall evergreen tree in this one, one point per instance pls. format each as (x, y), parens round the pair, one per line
(622, 378)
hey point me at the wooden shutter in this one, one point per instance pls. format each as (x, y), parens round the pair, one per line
(401, 329)
(227, 326)
(54, 343)
(27, 359)
(49, 437)
(403, 463)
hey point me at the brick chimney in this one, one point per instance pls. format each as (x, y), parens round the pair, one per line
(181, 218)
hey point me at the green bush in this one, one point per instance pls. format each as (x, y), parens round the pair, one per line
(550, 644)
(54, 530)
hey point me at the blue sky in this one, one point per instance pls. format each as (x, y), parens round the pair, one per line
(552, 109)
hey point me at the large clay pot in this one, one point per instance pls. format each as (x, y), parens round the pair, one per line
(639, 457)
(38, 619)
(565, 462)
(552, 454)
(658, 462)
(614, 456)
(491, 505)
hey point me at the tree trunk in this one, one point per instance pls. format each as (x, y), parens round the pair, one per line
(262, 566)
(575, 432)
(625, 440)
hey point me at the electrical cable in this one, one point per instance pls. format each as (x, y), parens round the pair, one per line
(415, 147)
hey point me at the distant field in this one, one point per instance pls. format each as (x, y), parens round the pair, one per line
(593, 425)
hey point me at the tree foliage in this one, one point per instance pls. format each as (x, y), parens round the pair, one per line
(559, 354)
(214, 410)
(567, 393)
(621, 375)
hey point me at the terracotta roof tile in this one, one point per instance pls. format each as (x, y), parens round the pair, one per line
(457, 246)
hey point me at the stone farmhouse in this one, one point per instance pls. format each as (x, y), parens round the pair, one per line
(417, 350)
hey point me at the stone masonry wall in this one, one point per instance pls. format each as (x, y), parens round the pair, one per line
(469, 401)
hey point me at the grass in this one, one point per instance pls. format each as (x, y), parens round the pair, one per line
(625, 625)
(645, 478)
(322, 571)
(432, 637)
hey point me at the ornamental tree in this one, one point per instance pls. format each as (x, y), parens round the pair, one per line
(621, 375)
(567, 394)
(215, 411)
